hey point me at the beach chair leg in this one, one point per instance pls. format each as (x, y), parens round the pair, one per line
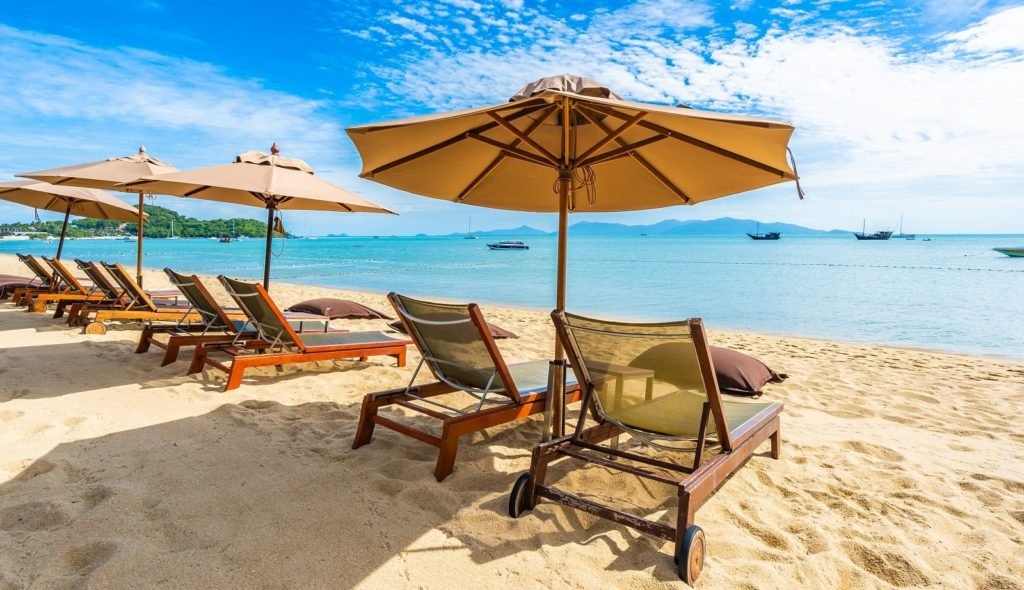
(59, 311)
(776, 443)
(171, 353)
(144, 342)
(364, 431)
(400, 358)
(198, 360)
(446, 457)
(235, 375)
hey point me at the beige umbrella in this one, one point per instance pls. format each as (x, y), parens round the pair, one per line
(260, 180)
(564, 135)
(109, 174)
(69, 200)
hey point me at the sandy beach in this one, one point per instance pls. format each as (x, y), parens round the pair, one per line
(900, 469)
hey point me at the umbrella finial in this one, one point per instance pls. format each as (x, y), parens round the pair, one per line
(142, 149)
(274, 149)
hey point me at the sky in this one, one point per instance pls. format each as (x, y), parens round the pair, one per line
(909, 108)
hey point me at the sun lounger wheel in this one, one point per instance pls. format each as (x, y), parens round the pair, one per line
(95, 328)
(517, 500)
(690, 554)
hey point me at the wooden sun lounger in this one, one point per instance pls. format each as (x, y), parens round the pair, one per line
(113, 296)
(520, 389)
(44, 280)
(140, 306)
(218, 324)
(679, 402)
(75, 291)
(279, 343)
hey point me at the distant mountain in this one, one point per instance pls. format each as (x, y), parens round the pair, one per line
(725, 226)
(519, 232)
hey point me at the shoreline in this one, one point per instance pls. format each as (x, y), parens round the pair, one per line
(10, 262)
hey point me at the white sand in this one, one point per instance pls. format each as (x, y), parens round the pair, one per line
(900, 468)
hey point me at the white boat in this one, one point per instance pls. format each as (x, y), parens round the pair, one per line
(509, 245)
(172, 236)
(469, 234)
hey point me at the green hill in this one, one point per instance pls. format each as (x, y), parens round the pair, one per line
(158, 225)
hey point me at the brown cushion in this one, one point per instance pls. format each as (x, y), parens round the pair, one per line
(338, 309)
(737, 373)
(496, 332)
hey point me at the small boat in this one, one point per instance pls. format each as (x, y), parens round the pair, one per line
(129, 239)
(224, 240)
(509, 245)
(878, 235)
(469, 234)
(771, 235)
(1011, 252)
(902, 235)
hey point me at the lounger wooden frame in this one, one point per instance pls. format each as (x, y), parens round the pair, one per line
(139, 306)
(114, 296)
(268, 352)
(218, 324)
(74, 291)
(46, 279)
(453, 426)
(694, 483)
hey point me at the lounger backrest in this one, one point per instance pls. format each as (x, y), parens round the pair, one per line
(200, 300)
(109, 290)
(654, 378)
(65, 275)
(456, 344)
(136, 295)
(262, 313)
(37, 269)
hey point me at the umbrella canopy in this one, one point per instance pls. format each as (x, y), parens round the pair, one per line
(567, 143)
(109, 174)
(628, 155)
(271, 181)
(69, 200)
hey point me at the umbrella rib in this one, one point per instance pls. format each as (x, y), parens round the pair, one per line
(692, 141)
(501, 156)
(610, 137)
(682, 196)
(620, 151)
(511, 151)
(524, 137)
(196, 191)
(450, 141)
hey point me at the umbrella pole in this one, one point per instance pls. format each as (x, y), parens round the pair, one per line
(63, 230)
(138, 250)
(270, 241)
(556, 388)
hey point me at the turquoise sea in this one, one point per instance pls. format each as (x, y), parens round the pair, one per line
(951, 293)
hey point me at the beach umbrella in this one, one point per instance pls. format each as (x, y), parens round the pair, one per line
(270, 181)
(69, 200)
(568, 144)
(109, 174)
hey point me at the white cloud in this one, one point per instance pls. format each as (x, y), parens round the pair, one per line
(1003, 31)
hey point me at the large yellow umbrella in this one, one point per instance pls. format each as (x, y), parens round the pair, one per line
(270, 181)
(69, 200)
(109, 174)
(564, 137)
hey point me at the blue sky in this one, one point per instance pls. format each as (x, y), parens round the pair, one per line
(907, 107)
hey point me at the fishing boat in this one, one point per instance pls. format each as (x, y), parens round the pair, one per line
(878, 235)
(509, 245)
(757, 235)
(469, 233)
(1011, 252)
(902, 235)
